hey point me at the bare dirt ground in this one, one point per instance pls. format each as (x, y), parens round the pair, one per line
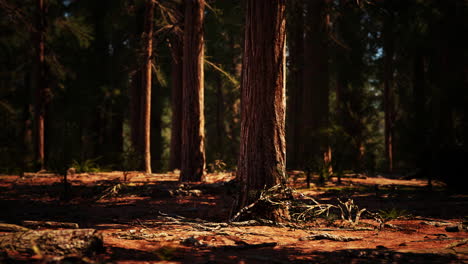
(153, 219)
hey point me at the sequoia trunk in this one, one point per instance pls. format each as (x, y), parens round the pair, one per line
(193, 121)
(262, 159)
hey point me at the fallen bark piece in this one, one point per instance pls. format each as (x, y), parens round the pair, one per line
(329, 237)
(250, 246)
(12, 228)
(436, 224)
(457, 244)
(54, 242)
(49, 224)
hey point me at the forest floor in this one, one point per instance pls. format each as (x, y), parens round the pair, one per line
(153, 219)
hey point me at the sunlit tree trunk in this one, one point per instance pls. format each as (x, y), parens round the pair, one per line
(193, 121)
(41, 83)
(146, 84)
(262, 158)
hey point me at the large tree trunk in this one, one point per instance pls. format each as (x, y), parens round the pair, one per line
(314, 118)
(388, 91)
(296, 65)
(262, 159)
(146, 85)
(176, 103)
(41, 84)
(193, 121)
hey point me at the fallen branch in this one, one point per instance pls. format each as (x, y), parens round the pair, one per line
(49, 224)
(330, 237)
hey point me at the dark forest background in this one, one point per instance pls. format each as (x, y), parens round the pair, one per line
(374, 86)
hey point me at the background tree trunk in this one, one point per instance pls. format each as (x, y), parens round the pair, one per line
(176, 103)
(193, 121)
(314, 118)
(146, 85)
(41, 84)
(136, 91)
(262, 159)
(388, 91)
(295, 80)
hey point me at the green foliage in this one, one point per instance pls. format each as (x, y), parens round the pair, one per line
(85, 166)
(392, 214)
(131, 160)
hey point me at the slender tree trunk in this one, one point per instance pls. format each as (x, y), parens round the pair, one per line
(388, 92)
(315, 102)
(262, 159)
(296, 62)
(193, 120)
(40, 82)
(176, 101)
(146, 85)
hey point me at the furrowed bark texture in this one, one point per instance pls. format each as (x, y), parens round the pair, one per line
(193, 121)
(146, 85)
(262, 159)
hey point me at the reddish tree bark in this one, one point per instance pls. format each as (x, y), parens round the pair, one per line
(193, 121)
(146, 85)
(262, 159)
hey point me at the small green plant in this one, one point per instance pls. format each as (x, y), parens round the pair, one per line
(88, 165)
(217, 166)
(392, 214)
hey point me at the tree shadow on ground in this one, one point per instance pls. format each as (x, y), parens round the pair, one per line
(280, 255)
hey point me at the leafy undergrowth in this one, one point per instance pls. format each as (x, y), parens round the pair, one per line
(154, 219)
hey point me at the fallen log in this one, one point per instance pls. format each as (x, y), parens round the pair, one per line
(249, 246)
(48, 224)
(54, 242)
(12, 228)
